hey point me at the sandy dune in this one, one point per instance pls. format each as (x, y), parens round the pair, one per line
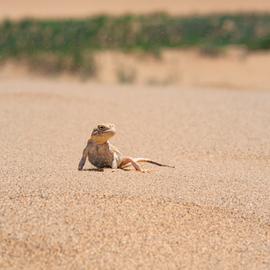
(17, 9)
(211, 212)
(185, 68)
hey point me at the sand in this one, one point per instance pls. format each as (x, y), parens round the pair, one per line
(188, 68)
(210, 212)
(181, 68)
(17, 9)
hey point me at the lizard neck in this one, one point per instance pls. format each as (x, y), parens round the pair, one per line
(97, 140)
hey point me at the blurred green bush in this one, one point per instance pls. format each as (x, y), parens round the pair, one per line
(69, 41)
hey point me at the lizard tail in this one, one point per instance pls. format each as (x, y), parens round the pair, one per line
(152, 162)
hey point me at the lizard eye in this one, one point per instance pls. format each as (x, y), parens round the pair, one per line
(101, 127)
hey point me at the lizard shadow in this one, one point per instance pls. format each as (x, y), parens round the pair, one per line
(93, 170)
(103, 170)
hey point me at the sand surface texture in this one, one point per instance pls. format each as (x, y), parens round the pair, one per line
(17, 9)
(210, 212)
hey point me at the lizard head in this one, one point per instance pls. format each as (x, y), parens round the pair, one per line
(102, 133)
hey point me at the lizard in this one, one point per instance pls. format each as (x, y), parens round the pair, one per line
(102, 154)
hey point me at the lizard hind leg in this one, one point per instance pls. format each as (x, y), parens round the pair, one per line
(127, 161)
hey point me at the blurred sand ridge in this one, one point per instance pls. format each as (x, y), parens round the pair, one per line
(235, 69)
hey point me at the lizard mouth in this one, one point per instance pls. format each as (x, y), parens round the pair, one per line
(106, 131)
(109, 131)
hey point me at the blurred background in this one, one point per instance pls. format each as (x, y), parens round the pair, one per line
(207, 43)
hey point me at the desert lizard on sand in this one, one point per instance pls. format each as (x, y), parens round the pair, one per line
(102, 154)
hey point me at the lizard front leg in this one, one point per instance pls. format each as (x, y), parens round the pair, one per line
(83, 159)
(114, 162)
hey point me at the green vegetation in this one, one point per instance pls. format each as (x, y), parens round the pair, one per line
(69, 44)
